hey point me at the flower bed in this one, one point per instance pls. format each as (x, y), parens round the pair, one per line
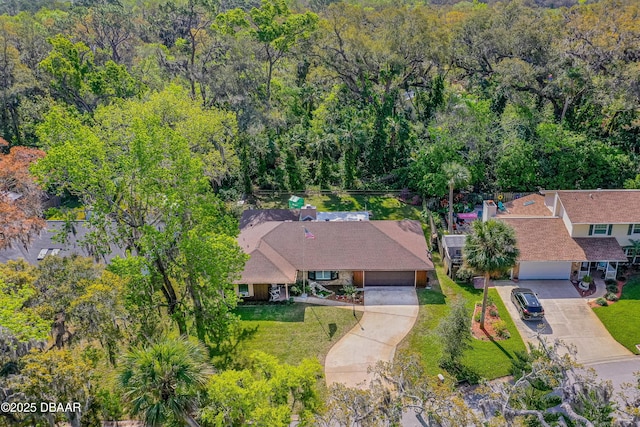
(359, 299)
(495, 328)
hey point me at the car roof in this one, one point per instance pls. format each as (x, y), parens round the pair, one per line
(522, 290)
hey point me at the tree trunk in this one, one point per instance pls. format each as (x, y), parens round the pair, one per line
(485, 294)
(450, 208)
(190, 421)
(197, 311)
(172, 299)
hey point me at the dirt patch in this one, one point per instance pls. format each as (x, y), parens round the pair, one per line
(495, 329)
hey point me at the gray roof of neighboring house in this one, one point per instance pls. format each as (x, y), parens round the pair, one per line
(252, 217)
(279, 249)
(45, 243)
(454, 240)
(343, 216)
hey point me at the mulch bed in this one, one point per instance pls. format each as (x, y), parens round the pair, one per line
(344, 298)
(618, 294)
(489, 333)
(585, 292)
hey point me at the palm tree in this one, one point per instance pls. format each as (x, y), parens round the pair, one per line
(635, 249)
(489, 249)
(163, 380)
(457, 176)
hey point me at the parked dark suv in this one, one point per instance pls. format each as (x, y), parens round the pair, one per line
(527, 303)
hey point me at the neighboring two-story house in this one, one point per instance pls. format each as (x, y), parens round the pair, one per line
(572, 233)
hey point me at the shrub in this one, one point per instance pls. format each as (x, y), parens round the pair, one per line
(478, 315)
(500, 326)
(493, 312)
(464, 274)
(612, 288)
(610, 282)
(610, 296)
(454, 333)
(602, 302)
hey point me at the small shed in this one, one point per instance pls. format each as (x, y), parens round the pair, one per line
(296, 202)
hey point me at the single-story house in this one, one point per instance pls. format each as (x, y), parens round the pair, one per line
(362, 253)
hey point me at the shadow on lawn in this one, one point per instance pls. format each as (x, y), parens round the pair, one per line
(336, 202)
(631, 289)
(501, 348)
(226, 354)
(272, 312)
(429, 296)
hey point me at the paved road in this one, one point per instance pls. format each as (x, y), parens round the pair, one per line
(567, 317)
(389, 314)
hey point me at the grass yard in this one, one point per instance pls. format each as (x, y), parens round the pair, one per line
(294, 332)
(488, 359)
(382, 207)
(621, 318)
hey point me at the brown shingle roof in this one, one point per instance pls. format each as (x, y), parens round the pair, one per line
(358, 245)
(547, 239)
(601, 248)
(601, 206)
(531, 205)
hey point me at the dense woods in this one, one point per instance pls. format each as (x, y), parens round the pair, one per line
(376, 96)
(152, 113)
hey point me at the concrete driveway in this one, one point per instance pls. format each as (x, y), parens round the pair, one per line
(389, 314)
(567, 317)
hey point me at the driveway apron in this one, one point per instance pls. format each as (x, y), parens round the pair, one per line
(389, 314)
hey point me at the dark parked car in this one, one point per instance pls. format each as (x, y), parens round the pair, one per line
(527, 303)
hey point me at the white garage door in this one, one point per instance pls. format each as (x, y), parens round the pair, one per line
(544, 270)
(389, 278)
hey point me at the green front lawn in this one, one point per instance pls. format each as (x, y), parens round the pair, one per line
(382, 207)
(622, 319)
(294, 332)
(488, 359)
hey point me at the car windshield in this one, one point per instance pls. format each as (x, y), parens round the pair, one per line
(532, 302)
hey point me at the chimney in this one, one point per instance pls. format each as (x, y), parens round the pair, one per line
(489, 210)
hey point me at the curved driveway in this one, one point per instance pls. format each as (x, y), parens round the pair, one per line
(389, 314)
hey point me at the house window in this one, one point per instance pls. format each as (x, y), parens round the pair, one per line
(323, 275)
(600, 229)
(635, 228)
(243, 289)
